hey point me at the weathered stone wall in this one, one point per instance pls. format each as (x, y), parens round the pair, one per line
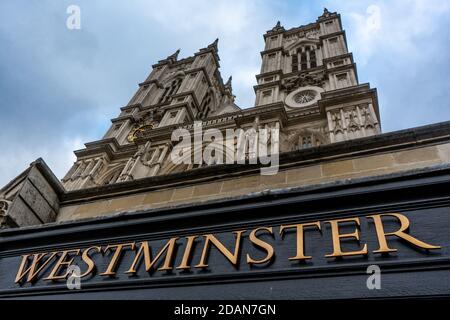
(32, 198)
(323, 171)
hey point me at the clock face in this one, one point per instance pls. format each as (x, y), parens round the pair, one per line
(139, 131)
(303, 97)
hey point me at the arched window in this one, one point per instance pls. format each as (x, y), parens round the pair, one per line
(205, 107)
(111, 176)
(304, 58)
(306, 142)
(170, 90)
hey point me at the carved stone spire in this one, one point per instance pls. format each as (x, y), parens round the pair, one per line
(325, 14)
(174, 56)
(278, 26)
(214, 44)
(228, 96)
(228, 83)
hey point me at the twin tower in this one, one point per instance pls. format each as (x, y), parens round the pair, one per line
(308, 87)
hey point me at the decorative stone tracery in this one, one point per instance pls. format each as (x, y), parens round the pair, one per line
(352, 122)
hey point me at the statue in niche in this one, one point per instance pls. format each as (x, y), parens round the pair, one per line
(337, 122)
(353, 120)
(368, 120)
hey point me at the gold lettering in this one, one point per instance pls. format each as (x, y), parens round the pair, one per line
(145, 248)
(300, 238)
(262, 244)
(232, 257)
(61, 262)
(337, 251)
(404, 225)
(88, 260)
(32, 265)
(110, 271)
(187, 253)
(32, 273)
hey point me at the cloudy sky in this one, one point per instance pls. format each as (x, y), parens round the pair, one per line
(60, 87)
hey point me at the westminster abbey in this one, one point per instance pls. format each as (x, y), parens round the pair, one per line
(308, 87)
(344, 197)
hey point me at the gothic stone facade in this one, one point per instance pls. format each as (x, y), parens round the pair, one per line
(308, 86)
(334, 165)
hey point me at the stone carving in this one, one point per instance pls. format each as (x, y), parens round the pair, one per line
(312, 34)
(352, 122)
(4, 206)
(145, 122)
(367, 116)
(325, 14)
(304, 80)
(352, 117)
(337, 122)
(278, 27)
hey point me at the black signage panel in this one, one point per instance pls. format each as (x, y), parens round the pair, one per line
(374, 238)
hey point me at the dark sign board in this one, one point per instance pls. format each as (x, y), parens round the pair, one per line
(316, 243)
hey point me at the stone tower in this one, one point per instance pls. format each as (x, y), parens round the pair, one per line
(308, 87)
(177, 92)
(310, 71)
